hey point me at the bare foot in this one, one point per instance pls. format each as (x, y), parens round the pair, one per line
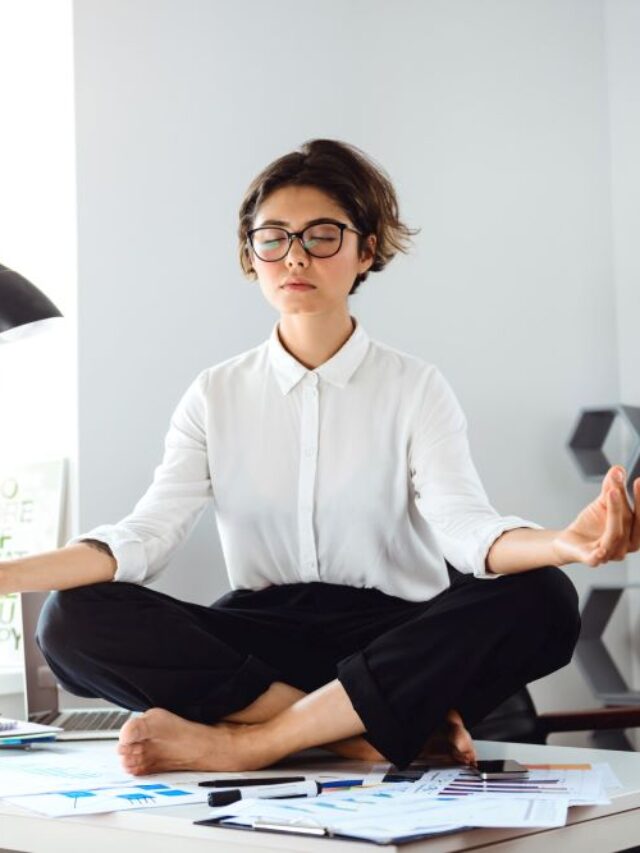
(452, 744)
(159, 741)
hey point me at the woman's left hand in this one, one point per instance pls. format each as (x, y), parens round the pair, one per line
(607, 529)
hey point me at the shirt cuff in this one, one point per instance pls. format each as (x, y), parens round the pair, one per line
(489, 536)
(129, 553)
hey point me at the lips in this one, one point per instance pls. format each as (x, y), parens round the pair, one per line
(297, 283)
(298, 287)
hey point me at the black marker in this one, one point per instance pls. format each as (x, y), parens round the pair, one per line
(244, 781)
(266, 792)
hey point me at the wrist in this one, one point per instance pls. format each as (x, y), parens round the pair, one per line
(5, 577)
(557, 552)
(524, 548)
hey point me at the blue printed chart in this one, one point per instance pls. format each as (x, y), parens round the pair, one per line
(42, 771)
(109, 799)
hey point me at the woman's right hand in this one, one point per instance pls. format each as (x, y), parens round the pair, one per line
(64, 568)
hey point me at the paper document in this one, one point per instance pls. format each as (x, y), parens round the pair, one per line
(110, 799)
(41, 770)
(386, 814)
(580, 787)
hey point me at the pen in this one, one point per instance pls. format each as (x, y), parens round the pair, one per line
(266, 792)
(342, 783)
(244, 781)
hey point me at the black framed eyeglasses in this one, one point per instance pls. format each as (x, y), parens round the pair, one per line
(320, 240)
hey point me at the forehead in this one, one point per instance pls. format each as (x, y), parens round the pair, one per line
(296, 206)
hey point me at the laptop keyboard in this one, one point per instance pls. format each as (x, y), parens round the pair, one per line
(91, 720)
(94, 720)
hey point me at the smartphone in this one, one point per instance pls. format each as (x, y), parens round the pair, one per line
(507, 769)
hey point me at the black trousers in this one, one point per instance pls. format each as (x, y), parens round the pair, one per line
(403, 664)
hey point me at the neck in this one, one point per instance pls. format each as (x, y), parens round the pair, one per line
(313, 339)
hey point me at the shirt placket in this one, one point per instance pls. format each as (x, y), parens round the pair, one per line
(307, 483)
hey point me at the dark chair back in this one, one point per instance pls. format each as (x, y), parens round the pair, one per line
(514, 720)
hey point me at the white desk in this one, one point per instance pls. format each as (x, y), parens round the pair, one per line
(598, 829)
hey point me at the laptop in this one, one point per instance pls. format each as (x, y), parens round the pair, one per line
(95, 719)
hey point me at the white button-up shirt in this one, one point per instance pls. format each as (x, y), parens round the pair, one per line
(355, 473)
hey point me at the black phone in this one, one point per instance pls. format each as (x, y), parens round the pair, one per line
(505, 769)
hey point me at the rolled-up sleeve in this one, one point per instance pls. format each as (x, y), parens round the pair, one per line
(447, 488)
(144, 541)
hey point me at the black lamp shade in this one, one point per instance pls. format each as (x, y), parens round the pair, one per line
(24, 309)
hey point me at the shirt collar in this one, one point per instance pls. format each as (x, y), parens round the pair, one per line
(337, 370)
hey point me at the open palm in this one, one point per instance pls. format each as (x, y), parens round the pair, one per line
(607, 529)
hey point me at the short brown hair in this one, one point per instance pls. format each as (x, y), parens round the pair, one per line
(360, 186)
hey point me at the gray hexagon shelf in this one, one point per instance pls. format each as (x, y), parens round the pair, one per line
(586, 445)
(591, 654)
(589, 435)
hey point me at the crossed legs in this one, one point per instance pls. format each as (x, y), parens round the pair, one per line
(467, 649)
(281, 721)
(450, 741)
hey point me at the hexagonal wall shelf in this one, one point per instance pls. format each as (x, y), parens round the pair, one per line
(591, 654)
(586, 446)
(589, 435)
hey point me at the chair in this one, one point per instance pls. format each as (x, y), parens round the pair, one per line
(517, 720)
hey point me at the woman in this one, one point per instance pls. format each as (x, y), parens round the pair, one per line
(379, 604)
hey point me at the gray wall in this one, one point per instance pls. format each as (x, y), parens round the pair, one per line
(491, 117)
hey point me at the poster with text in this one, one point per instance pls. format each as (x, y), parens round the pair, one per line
(31, 502)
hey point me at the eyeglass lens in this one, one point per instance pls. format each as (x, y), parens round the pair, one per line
(321, 241)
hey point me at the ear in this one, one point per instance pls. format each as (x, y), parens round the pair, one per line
(248, 258)
(368, 253)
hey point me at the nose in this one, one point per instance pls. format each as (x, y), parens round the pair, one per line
(296, 254)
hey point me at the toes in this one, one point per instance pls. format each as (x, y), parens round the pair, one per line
(134, 758)
(462, 746)
(132, 750)
(461, 742)
(454, 718)
(133, 731)
(137, 770)
(138, 765)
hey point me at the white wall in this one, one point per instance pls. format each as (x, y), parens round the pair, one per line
(38, 394)
(38, 384)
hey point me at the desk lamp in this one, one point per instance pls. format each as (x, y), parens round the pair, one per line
(24, 310)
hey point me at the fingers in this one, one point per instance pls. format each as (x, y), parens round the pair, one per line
(627, 514)
(621, 485)
(610, 539)
(614, 542)
(610, 481)
(634, 536)
(616, 478)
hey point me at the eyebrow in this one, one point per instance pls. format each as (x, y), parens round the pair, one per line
(305, 225)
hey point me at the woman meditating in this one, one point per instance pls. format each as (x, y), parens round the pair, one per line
(379, 604)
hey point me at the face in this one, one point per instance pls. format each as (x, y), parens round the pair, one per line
(332, 278)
